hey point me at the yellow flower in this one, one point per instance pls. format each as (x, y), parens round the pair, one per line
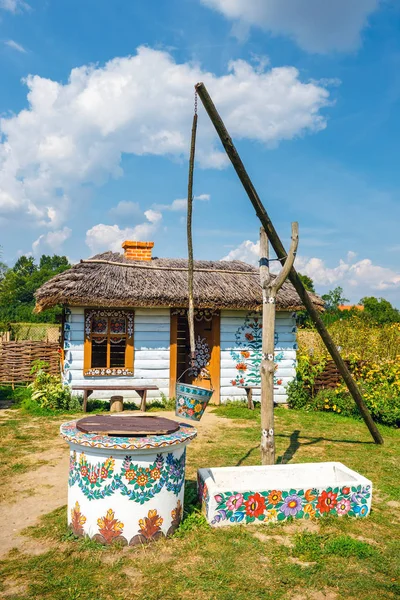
(110, 463)
(308, 508)
(271, 515)
(198, 408)
(82, 459)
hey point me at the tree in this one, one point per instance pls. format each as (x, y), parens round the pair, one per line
(379, 310)
(19, 284)
(333, 299)
(307, 282)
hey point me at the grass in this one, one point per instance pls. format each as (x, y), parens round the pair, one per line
(347, 558)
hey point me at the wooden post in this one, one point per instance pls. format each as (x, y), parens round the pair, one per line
(281, 254)
(270, 287)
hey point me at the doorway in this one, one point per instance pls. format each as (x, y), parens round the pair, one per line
(206, 372)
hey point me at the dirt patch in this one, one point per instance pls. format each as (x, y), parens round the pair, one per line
(393, 504)
(13, 588)
(301, 563)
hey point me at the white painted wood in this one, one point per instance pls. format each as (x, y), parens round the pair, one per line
(151, 367)
(285, 354)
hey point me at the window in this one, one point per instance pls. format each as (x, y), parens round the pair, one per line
(108, 348)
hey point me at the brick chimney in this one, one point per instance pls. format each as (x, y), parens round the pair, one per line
(137, 250)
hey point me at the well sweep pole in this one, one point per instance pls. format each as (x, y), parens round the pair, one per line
(281, 254)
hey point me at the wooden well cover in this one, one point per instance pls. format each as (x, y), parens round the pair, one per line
(127, 426)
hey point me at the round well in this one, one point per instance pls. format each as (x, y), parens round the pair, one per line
(126, 477)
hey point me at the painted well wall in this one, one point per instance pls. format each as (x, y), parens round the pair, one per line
(151, 359)
(234, 327)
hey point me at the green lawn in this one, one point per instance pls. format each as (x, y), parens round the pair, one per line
(329, 558)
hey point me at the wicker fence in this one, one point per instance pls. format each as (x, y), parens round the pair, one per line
(16, 359)
(330, 377)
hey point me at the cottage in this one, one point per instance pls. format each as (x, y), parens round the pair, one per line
(125, 323)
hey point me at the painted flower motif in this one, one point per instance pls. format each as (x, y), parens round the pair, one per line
(249, 336)
(155, 473)
(245, 353)
(255, 505)
(82, 459)
(218, 498)
(233, 382)
(198, 408)
(241, 381)
(77, 519)
(109, 527)
(130, 474)
(150, 524)
(93, 477)
(190, 412)
(291, 505)
(241, 367)
(181, 401)
(360, 510)
(345, 491)
(142, 479)
(326, 501)
(271, 515)
(274, 497)
(343, 506)
(109, 464)
(103, 473)
(309, 495)
(234, 502)
(84, 471)
(309, 509)
(279, 382)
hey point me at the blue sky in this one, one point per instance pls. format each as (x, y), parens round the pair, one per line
(96, 104)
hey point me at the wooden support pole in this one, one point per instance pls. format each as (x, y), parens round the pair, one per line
(281, 254)
(270, 287)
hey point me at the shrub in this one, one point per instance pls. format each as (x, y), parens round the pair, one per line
(298, 396)
(49, 392)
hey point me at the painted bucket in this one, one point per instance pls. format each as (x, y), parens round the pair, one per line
(191, 401)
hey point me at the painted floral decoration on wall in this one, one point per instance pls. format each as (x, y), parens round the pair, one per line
(277, 505)
(248, 355)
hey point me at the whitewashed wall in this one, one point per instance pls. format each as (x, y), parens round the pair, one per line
(151, 341)
(285, 353)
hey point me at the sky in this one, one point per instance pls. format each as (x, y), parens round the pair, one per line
(96, 103)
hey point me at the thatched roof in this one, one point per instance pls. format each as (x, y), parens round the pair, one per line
(160, 282)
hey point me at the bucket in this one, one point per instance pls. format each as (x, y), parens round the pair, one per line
(191, 401)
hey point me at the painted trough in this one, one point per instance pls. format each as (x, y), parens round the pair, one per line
(126, 477)
(231, 495)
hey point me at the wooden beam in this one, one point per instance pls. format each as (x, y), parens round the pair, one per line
(281, 254)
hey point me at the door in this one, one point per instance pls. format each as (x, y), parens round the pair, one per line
(206, 372)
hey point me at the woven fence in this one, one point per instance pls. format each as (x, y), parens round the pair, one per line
(16, 359)
(330, 377)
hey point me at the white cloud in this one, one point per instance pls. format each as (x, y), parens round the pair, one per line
(74, 134)
(53, 240)
(315, 25)
(15, 46)
(126, 209)
(14, 6)
(181, 203)
(110, 237)
(361, 276)
(248, 252)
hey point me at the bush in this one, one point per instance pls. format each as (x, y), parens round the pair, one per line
(298, 396)
(49, 392)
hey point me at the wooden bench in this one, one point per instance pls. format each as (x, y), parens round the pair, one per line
(140, 389)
